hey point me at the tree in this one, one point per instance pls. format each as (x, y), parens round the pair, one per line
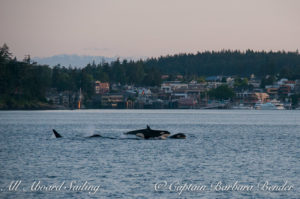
(5, 55)
(152, 78)
(222, 92)
(295, 99)
(268, 80)
(27, 59)
(241, 84)
(87, 84)
(286, 72)
(201, 79)
(135, 72)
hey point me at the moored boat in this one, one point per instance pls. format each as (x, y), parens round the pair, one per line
(272, 105)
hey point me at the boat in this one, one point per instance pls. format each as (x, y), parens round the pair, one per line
(242, 107)
(272, 105)
(278, 104)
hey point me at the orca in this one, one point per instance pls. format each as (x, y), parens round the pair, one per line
(57, 135)
(178, 136)
(95, 136)
(148, 133)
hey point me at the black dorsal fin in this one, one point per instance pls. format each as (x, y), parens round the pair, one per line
(57, 135)
(148, 127)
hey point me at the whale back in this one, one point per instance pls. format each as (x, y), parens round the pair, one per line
(178, 136)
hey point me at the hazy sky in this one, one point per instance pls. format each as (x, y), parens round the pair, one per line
(147, 27)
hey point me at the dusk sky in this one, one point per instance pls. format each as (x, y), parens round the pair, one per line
(134, 28)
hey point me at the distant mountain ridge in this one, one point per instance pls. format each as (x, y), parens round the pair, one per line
(74, 60)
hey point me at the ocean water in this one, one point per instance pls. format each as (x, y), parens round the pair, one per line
(224, 150)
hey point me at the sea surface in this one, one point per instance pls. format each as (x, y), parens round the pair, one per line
(223, 147)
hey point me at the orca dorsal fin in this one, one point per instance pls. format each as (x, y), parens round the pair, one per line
(57, 135)
(148, 127)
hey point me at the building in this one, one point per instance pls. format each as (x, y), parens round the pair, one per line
(272, 91)
(284, 90)
(187, 103)
(101, 87)
(144, 92)
(254, 82)
(214, 78)
(282, 81)
(164, 77)
(170, 86)
(112, 101)
(179, 77)
(263, 97)
(251, 98)
(292, 85)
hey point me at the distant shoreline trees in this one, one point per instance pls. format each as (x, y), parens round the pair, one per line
(24, 82)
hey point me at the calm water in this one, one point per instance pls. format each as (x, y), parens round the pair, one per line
(225, 146)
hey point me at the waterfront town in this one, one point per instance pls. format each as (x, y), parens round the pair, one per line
(213, 92)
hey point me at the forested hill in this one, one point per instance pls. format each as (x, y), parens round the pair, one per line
(24, 83)
(229, 63)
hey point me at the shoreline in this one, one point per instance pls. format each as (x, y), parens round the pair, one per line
(68, 109)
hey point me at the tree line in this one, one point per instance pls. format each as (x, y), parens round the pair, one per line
(227, 62)
(26, 81)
